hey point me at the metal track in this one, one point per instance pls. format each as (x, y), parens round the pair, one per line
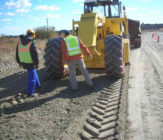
(107, 119)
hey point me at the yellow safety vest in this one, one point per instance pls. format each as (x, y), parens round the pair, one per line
(73, 46)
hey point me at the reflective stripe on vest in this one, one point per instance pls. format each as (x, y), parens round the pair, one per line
(73, 46)
(24, 52)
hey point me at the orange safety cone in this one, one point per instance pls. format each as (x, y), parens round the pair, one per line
(155, 37)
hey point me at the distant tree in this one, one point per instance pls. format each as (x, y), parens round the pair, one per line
(43, 33)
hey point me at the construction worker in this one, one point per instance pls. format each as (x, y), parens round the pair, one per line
(27, 57)
(72, 48)
(153, 34)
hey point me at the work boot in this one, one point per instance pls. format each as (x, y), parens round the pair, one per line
(34, 95)
(24, 96)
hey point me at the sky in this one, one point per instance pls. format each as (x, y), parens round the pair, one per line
(17, 16)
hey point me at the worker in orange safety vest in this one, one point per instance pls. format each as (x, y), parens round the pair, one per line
(27, 57)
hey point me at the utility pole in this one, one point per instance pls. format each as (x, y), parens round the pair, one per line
(47, 30)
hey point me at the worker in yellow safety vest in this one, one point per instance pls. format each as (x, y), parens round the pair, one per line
(27, 57)
(72, 48)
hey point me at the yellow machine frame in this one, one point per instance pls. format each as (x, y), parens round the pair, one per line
(92, 30)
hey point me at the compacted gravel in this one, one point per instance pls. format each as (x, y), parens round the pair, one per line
(145, 101)
(46, 116)
(60, 114)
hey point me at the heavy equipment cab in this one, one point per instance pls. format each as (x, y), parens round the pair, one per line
(109, 9)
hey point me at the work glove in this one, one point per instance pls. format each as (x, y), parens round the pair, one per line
(90, 56)
(66, 62)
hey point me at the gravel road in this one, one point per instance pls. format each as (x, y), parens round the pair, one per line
(60, 114)
(145, 101)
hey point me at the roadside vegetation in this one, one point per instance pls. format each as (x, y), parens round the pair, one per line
(8, 43)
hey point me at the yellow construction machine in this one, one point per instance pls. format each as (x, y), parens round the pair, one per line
(104, 31)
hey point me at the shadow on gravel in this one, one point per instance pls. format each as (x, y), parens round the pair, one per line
(99, 83)
(134, 48)
(14, 84)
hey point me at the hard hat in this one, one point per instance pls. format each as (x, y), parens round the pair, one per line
(32, 32)
(67, 32)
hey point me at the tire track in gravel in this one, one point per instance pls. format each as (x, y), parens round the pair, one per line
(15, 89)
(111, 107)
(14, 82)
(51, 113)
(106, 119)
(11, 69)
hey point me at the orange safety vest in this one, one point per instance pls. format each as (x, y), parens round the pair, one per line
(24, 52)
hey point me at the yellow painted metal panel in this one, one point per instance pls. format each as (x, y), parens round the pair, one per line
(127, 50)
(97, 60)
(88, 29)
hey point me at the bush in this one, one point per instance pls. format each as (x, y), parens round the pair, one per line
(43, 33)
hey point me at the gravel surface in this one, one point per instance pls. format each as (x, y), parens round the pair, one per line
(145, 120)
(58, 113)
(47, 116)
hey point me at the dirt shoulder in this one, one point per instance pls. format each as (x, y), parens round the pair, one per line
(145, 93)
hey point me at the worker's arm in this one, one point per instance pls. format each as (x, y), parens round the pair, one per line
(64, 51)
(85, 50)
(34, 54)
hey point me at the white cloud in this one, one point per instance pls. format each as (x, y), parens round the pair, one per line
(11, 27)
(33, 18)
(76, 12)
(9, 14)
(77, 1)
(53, 16)
(145, 0)
(133, 9)
(46, 7)
(21, 10)
(36, 19)
(18, 4)
(82, 5)
(30, 16)
(5, 19)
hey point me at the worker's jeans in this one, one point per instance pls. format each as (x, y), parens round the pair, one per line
(72, 72)
(33, 81)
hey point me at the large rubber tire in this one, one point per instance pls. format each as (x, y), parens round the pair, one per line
(53, 58)
(137, 43)
(114, 56)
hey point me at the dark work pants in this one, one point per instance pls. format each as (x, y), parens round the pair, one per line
(33, 81)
